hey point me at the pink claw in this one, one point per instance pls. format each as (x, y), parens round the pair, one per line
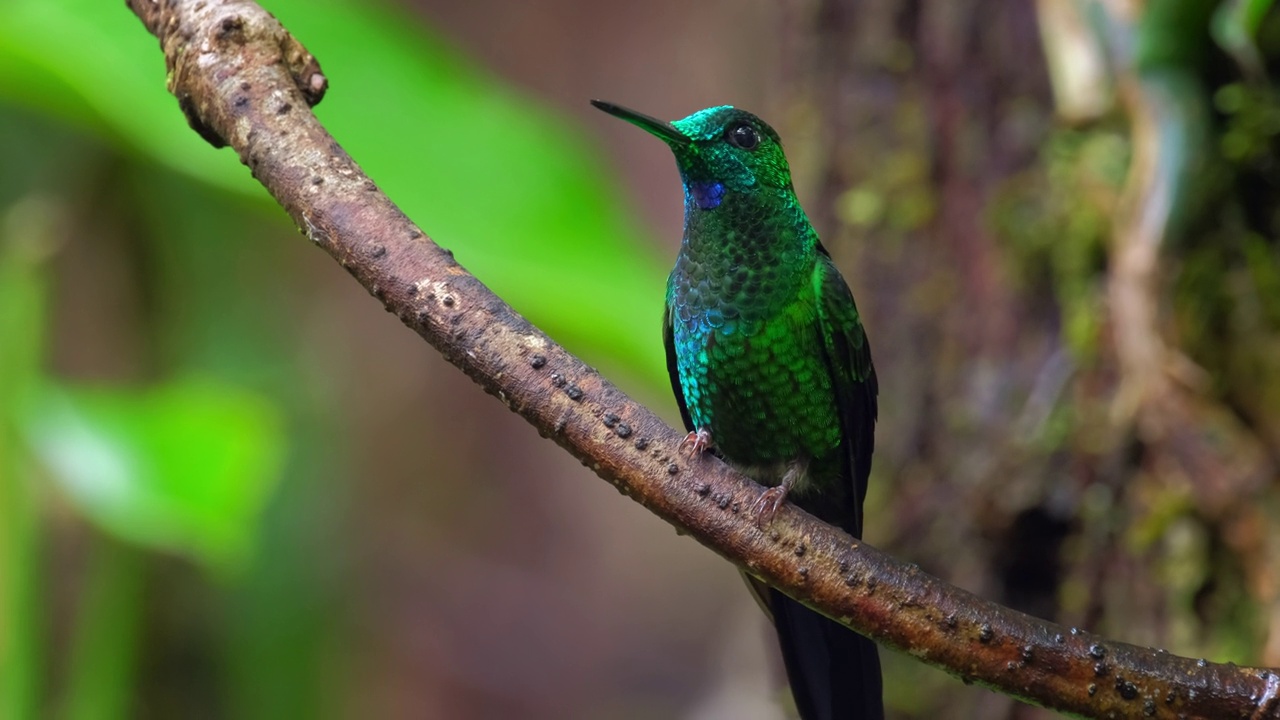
(698, 442)
(768, 503)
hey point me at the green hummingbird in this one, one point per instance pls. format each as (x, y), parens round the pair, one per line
(772, 370)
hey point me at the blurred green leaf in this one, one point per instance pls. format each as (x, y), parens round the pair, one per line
(101, 684)
(183, 467)
(511, 187)
(1235, 28)
(26, 241)
(1173, 33)
(74, 59)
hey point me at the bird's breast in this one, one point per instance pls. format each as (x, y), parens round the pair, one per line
(756, 380)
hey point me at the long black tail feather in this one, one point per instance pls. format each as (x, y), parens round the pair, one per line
(834, 672)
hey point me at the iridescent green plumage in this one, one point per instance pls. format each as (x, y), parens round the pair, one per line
(770, 365)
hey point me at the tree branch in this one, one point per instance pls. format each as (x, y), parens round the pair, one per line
(244, 81)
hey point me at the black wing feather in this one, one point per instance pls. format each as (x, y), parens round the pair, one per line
(853, 377)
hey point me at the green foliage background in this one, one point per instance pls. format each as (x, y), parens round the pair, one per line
(184, 452)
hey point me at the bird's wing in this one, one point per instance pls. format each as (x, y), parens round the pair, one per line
(853, 377)
(673, 371)
(848, 355)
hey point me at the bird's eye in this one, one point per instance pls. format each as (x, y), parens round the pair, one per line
(743, 135)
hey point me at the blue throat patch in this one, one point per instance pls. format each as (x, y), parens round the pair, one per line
(707, 195)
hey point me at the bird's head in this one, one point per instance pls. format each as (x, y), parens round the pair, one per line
(718, 150)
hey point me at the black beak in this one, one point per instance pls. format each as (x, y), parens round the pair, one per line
(663, 130)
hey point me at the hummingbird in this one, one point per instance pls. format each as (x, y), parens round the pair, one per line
(771, 368)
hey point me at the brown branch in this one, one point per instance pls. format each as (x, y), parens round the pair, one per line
(245, 82)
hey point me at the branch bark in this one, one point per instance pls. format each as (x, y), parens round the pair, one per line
(243, 81)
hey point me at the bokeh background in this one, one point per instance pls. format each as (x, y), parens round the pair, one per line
(232, 487)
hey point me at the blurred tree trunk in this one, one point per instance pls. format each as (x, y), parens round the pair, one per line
(1076, 314)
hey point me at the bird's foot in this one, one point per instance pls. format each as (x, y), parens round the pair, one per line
(767, 504)
(698, 441)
